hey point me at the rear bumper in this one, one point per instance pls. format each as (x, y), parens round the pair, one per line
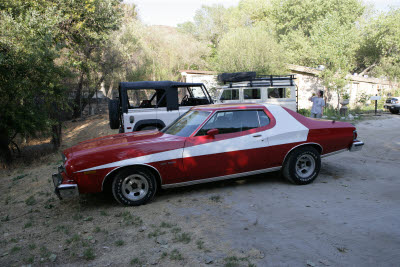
(356, 146)
(63, 191)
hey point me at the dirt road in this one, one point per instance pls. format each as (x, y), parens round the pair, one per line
(349, 216)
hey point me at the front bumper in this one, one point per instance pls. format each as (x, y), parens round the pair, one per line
(63, 191)
(356, 146)
(392, 106)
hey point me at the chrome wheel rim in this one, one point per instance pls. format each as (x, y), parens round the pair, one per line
(135, 187)
(305, 166)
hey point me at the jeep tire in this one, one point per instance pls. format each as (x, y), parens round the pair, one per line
(113, 114)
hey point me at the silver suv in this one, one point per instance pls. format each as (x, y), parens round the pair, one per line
(393, 105)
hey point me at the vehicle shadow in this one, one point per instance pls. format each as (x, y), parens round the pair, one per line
(253, 180)
(105, 199)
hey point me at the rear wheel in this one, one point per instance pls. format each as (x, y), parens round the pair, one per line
(134, 187)
(302, 165)
(394, 111)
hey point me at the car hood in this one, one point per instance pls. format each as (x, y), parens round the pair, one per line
(107, 149)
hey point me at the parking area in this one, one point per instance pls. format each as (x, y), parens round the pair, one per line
(349, 216)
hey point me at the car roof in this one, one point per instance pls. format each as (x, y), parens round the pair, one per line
(229, 106)
(158, 85)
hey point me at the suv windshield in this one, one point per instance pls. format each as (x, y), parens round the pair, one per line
(187, 123)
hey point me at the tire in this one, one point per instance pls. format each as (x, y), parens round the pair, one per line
(394, 111)
(302, 166)
(134, 187)
(113, 114)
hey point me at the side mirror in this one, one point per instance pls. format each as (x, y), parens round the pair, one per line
(212, 132)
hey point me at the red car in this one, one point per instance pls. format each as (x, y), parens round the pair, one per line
(208, 143)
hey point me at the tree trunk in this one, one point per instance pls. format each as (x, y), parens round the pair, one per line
(5, 152)
(57, 136)
(78, 102)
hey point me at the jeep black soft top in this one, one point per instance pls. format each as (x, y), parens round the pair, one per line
(165, 94)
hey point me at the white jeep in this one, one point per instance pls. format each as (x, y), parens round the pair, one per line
(248, 87)
(153, 105)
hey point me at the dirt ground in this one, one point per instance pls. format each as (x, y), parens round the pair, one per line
(349, 216)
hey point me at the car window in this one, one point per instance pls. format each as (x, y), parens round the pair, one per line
(278, 92)
(264, 119)
(234, 121)
(143, 98)
(187, 123)
(253, 93)
(230, 94)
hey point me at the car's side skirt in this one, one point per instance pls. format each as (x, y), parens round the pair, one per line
(334, 153)
(220, 178)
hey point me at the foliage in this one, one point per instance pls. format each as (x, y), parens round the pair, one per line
(209, 24)
(250, 49)
(379, 52)
(304, 15)
(30, 79)
(157, 53)
(85, 29)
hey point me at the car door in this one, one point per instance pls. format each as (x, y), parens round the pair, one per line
(232, 151)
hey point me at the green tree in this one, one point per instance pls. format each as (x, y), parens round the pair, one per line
(303, 15)
(157, 52)
(250, 49)
(379, 52)
(209, 24)
(30, 80)
(85, 29)
(335, 45)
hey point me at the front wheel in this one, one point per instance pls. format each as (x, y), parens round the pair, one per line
(302, 166)
(394, 111)
(134, 187)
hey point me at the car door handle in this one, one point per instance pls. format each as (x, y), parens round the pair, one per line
(257, 135)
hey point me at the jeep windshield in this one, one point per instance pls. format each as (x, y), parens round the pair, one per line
(187, 123)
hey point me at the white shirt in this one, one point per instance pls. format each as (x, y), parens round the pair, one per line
(318, 103)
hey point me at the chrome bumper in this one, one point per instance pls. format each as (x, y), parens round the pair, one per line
(356, 146)
(63, 191)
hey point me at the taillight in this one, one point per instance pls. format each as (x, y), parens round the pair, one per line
(355, 135)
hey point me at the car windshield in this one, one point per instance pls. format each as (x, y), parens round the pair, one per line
(187, 123)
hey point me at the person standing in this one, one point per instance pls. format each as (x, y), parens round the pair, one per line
(317, 109)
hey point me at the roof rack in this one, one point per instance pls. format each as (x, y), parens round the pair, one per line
(238, 79)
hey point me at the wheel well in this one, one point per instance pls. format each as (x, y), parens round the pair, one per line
(157, 125)
(318, 147)
(107, 183)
